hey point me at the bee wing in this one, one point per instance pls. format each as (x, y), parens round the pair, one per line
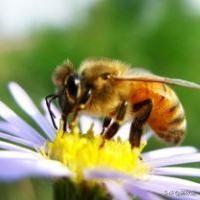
(147, 77)
(137, 71)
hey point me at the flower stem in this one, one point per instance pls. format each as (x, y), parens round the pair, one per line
(65, 189)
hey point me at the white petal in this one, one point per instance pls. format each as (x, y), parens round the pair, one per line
(116, 191)
(55, 111)
(8, 146)
(174, 160)
(86, 122)
(168, 152)
(177, 171)
(18, 140)
(25, 102)
(27, 132)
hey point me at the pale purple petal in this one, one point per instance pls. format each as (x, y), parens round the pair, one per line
(159, 186)
(52, 168)
(183, 195)
(147, 135)
(86, 122)
(27, 132)
(116, 190)
(25, 102)
(142, 194)
(161, 189)
(55, 111)
(124, 130)
(90, 174)
(11, 170)
(177, 171)
(174, 182)
(148, 186)
(8, 146)
(18, 155)
(177, 184)
(18, 140)
(168, 152)
(174, 160)
(10, 129)
(152, 183)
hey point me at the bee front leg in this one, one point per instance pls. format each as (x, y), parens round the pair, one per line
(81, 105)
(75, 115)
(114, 127)
(63, 123)
(143, 110)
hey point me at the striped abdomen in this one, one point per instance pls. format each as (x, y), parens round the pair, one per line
(167, 117)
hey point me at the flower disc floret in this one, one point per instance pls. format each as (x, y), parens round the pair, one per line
(85, 151)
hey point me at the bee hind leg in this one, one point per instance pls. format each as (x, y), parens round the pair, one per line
(143, 110)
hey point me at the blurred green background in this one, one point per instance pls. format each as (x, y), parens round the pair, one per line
(162, 36)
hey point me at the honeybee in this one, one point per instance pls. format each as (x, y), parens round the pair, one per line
(113, 90)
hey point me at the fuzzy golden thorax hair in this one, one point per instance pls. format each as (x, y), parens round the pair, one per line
(107, 93)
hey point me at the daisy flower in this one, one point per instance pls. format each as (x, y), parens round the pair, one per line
(79, 168)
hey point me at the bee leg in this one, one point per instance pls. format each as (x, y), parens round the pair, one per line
(74, 118)
(143, 110)
(82, 104)
(75, 115)
(114, 127)
(106, 123)
(63, 125)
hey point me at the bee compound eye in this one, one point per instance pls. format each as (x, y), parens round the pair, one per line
(73, 87)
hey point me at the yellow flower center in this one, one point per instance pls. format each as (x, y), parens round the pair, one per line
(85, 151)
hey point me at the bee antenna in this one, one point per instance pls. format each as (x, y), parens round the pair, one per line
(49, 100)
